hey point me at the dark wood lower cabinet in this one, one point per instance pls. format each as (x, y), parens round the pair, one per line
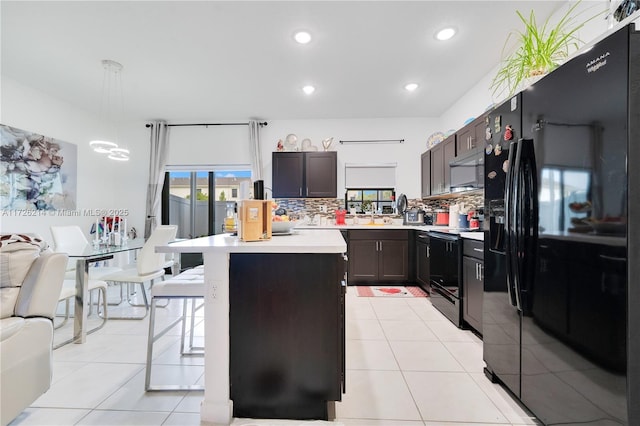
(286, 331)
(422, 259)
(473, 283)
(379, 255)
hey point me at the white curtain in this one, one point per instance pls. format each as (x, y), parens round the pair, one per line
(254, 149)
(157, 161)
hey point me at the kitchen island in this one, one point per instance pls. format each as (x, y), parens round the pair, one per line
(274, 324)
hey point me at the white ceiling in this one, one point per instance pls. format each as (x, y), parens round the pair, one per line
(199, 61)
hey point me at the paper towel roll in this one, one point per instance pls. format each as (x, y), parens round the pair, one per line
(244, 191)
(453, 215)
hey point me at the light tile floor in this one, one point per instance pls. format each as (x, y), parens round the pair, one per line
(407, 365)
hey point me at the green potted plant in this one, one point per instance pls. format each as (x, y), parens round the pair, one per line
(540, 49)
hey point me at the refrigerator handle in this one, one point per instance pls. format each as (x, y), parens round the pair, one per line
(508, 222)
(528, 219)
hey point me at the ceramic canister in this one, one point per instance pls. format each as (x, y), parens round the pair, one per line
(463, 221)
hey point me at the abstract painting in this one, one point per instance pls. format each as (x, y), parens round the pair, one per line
(36, 172)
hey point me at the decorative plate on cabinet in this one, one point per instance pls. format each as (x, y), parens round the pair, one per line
(291, 142)
(434, 139)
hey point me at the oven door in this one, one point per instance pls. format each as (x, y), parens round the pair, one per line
(447, 304)
(444, 275)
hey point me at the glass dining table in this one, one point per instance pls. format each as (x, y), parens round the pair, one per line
(84, 256)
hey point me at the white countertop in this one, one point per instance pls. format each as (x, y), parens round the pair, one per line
(472, 235)
(300, 241)
(479, 236)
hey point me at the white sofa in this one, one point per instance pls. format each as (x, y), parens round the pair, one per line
(31, 278)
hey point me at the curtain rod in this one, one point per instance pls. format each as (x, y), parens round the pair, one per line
(263, 123)
(376, 141)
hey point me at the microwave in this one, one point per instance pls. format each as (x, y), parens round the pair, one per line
(467, 171)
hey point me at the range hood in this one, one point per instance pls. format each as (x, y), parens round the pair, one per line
(467, 171)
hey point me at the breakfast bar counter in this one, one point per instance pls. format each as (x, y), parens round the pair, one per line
(274, 324)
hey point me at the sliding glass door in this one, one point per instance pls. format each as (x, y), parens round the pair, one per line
(198, 201)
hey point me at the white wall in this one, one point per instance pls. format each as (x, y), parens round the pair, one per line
(414, 131)
(479, 98)
(208, 145)
(102, 183)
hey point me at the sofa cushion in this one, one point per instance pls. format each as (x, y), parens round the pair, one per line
(15, 262)
(17, 253)
(8, 299)
(10, 327)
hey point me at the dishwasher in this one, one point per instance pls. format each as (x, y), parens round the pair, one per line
(445, 275)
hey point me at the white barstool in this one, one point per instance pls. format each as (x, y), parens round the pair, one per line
(68, 292)
(188, 287)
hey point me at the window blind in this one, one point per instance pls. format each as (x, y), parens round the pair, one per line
(382, 175)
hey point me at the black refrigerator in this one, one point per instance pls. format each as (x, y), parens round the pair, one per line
(561, 314)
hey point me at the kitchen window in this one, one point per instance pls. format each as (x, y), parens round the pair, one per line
(365, 200)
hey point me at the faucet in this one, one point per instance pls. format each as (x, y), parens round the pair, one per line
(373, 209)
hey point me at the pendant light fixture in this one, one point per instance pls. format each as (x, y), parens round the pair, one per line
(111, 107)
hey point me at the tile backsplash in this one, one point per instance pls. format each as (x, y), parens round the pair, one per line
(300, 207)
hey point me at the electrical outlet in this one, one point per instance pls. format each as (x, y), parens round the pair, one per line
(323, 209)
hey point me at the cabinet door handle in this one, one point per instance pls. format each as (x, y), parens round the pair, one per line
(477, 249)
(428, 251)
(307, 192)
(301, 191)
(380, 245)
(480, 266)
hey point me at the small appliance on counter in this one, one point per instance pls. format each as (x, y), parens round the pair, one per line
(414, 216)
(401, 204)
(442, 217)
(254, 220)
(428, 218)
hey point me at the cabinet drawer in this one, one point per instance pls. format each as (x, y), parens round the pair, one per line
(379, 234)
(473, 248)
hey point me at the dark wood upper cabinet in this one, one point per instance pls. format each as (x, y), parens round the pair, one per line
(288, 174)
(321, 171)
(471, 137)
(305, 174)
(425, 171)
(441, 156)
(449, 146)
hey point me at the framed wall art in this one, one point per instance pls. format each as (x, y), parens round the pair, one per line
(36, 172)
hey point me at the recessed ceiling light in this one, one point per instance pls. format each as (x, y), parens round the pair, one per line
(308, 89)
(302, 37)
(410, 87)
(445, 34)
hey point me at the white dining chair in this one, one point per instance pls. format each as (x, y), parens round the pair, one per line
(69, 292)
(149, 267)
(71, 239)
